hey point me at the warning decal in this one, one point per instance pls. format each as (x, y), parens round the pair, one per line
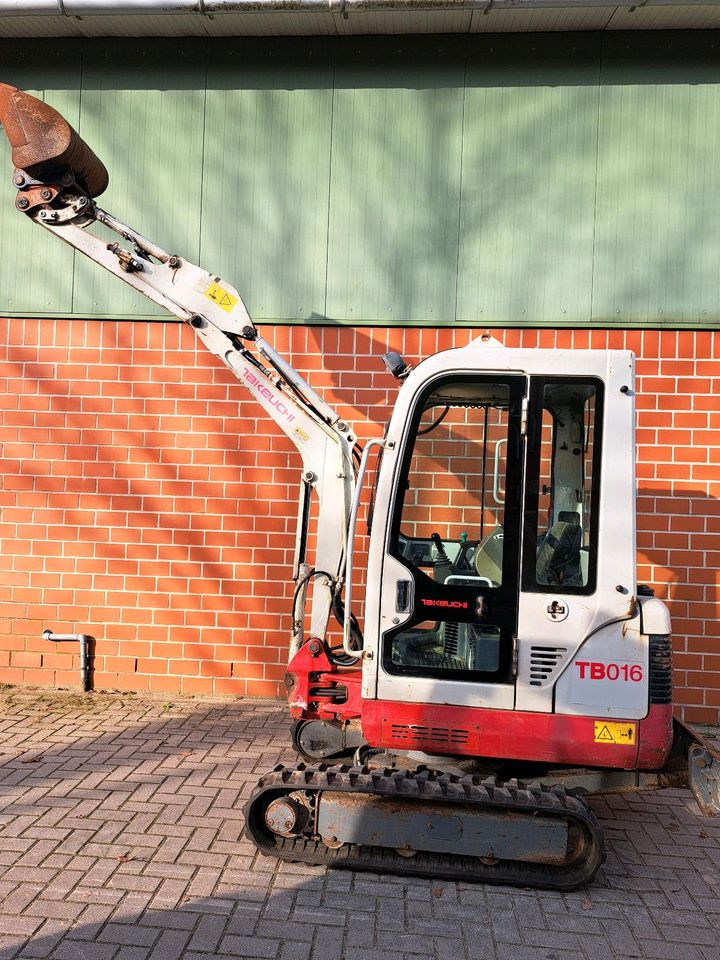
(608, 732)
(222, 297)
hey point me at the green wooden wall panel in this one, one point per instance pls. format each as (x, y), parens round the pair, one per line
(495, 179)
(657, 233)
(529, 154)
(36, 272)
(266, 174)
(143, 112)
(395, 184)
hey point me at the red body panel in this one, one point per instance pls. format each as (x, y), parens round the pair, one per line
(312, 684)
(655, 736)
(514, 734)
(311, 679)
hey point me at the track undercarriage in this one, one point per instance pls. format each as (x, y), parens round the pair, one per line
(428, 824)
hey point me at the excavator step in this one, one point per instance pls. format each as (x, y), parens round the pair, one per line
(428, 824)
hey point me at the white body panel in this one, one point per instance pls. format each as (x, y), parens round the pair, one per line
(608, 677)
(655, 616)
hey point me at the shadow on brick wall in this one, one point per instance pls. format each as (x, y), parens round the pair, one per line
(679, 556)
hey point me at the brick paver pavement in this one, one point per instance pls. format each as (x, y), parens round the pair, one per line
(120, 839)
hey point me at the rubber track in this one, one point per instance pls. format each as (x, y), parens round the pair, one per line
(516, 796)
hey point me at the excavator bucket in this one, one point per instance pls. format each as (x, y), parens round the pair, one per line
(44, 145)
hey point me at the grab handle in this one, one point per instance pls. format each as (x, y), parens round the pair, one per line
(349, 548)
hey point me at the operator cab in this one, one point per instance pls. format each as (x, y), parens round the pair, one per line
(493, 502)
(461, 503)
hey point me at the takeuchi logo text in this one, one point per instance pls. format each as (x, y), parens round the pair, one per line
(453, 604)
(266, 392)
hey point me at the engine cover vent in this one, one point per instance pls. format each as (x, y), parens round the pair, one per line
(661, 678)
(544, 661)
(411, 735)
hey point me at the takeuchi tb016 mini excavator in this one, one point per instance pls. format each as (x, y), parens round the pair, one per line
(503, 624)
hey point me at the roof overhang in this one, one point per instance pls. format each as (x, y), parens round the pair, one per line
(217, 18)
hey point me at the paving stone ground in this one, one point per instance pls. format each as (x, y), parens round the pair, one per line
(121, 839)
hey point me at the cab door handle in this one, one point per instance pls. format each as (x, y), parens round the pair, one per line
(404, 595)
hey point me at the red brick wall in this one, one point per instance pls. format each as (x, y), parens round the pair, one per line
(148, 501)
(448, 490)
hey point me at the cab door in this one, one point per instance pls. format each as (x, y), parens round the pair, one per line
(580, 649)
(450, 580)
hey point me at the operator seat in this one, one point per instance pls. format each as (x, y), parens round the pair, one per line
(558, 559)
(488, 559)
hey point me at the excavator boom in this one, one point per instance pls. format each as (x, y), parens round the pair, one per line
(58, 176)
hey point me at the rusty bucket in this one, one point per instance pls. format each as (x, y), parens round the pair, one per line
(44, 145)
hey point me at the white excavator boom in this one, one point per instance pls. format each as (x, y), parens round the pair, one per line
(56, 186)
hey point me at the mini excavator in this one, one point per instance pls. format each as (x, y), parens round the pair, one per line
(503, 624)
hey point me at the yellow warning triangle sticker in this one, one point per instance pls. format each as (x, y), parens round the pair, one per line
(222, 297)
(613, 731)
